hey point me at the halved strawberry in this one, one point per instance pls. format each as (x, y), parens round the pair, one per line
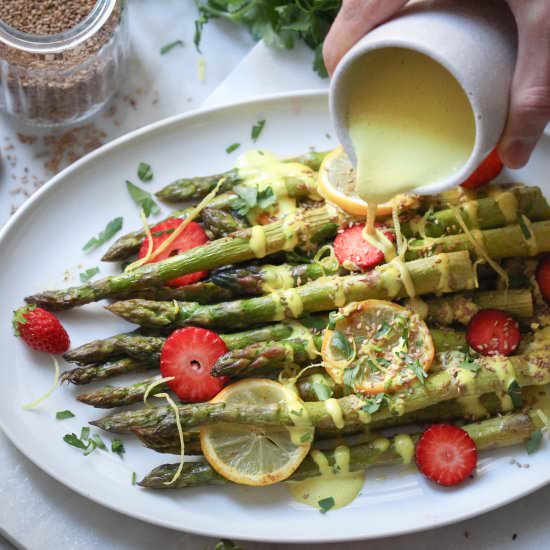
(351, 247)
(488, 170)
(543, 277)
(446, 454)
(189, 355)
(40, 330)
(493, 332)
(193, 235)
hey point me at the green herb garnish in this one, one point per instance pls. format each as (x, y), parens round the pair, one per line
(113, 227)
(341, 344)
(253, 198)
(524, 229)
(85, 276)
(279, 24)
(514, 391)
(470, 365)
(232, 147)
(72, 439)
(144, 172)
(117, 447)
(257, 130)
(98, 442)
(134, 478)
(167, 47)
(534, 442)
(85, 433)
(62, 415)
(143, 199)
(373, 404)
(322, 391)
(325, 504)
(305, 438)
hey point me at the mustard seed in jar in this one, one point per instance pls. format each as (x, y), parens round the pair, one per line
(60, 60)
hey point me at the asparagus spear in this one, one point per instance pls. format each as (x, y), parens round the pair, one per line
(299, 228)
(504, 242)
(483, 213)
(323, 294)
(256, 280)
(198, 187)
(149, 347)
(489, 434)
(218, 223)
(129, 244)
(203, 292)
(93, 372)
(461, 307)
(495, 375)
(265, 357)
(459, 195)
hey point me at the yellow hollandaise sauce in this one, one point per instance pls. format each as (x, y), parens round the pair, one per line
(410, 122)
(334, 485)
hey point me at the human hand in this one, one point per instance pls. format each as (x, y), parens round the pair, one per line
(529, 108)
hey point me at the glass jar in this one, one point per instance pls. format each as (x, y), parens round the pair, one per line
(59, 79)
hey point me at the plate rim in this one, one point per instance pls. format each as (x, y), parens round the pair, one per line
(263, 100)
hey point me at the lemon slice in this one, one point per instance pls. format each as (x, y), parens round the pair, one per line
(377, 346)
(257, 455)
(336, 183)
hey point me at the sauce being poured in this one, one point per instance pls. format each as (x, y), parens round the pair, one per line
(410, 123)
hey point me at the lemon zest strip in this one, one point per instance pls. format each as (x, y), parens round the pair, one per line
(152, 386)
(174, 407)
(179, 230)
(33, 404)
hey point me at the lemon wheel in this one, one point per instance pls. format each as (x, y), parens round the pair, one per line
(254, 455)
(336, 183)
(377, 346)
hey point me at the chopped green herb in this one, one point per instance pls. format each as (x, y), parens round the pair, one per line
(534, 442)
(72, 439)
(167, 47)
(266, 197)
(232, 147)
(161, 233)
(85, 433)
(143, 199)
(145, 173)
(325, 504)
(306, 437)
(248, 193)
(514, 391)
(62, 415)
(113, 227)
(85, 276)
(257, 130)
(351, 375)
(373, 404)
(322, 391)
(98, 442)
(418, 370)
(383, 331)
(134, 478)
(117, 447)
(470, 365)
(341, 344)
(524, 229)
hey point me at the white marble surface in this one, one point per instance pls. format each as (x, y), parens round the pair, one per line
(37, 512)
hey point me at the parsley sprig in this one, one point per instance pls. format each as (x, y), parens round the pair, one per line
(279, 23)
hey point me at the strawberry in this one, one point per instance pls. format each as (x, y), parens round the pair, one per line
(189, 355)
(543, 278)
(446, 454)
(488, 170)
(40, 330)
(351, 247)
(192, 236)
(493, 332)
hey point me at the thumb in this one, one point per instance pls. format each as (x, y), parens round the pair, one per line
(529, 109)
(355, 19)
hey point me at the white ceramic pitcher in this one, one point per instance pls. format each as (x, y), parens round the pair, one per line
(475, 40)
